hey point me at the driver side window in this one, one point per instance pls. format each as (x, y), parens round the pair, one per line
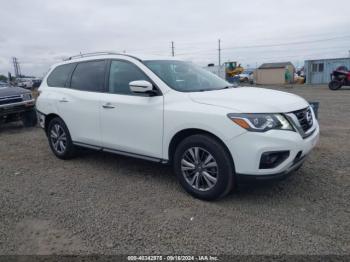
(121, 74)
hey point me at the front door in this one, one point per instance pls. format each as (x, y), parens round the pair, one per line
(131, 123)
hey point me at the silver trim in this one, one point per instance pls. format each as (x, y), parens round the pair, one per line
(87, 146)
(132, 155)
(108, 106)
(11, 97)
(98, 54)
(114, 151)
(18, 103)
(295, 122)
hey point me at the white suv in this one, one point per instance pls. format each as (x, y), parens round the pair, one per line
(171, 111)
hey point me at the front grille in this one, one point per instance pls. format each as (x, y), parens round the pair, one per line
(13, 110)
(10, 100)
(304, 117)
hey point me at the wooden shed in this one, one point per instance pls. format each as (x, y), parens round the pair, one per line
(274, 73)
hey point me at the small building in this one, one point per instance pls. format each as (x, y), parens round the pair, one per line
(319, 71)
(274, 73)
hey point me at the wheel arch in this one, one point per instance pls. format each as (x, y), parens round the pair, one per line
(48, 119)
(181, 135)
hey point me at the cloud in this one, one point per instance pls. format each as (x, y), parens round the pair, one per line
(39, 33)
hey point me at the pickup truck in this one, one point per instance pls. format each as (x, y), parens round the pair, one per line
(17, 104)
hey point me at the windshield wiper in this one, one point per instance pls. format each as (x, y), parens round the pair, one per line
(229, 86)
(213, 89)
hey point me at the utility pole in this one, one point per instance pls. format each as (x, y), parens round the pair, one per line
(219, 49)
(16, 67)
(219, 65)
(172, 48)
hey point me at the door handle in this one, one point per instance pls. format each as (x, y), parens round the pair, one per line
(63, 100)
(108, 106)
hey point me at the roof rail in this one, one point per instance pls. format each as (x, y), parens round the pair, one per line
(81, 55)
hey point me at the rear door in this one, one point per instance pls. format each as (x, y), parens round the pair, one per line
(131, 123)
(79, 105)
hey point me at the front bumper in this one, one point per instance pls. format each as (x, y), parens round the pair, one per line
(244, 178)
(16, 108)
(41, 118)
(246, 151)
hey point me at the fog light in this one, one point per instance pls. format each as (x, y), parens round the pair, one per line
(272, 159)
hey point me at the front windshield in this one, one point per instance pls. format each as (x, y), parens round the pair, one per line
(185, 77)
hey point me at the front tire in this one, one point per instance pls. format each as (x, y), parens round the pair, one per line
(204, 167)
(334, 85)
(60, 140)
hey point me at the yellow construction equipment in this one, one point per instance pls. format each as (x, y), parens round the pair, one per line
(231, 69)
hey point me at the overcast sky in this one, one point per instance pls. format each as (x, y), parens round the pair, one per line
(42, 32)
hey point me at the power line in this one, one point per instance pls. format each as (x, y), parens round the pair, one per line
(209, 51)
(197, 43)
(267, 45)
(290, 43)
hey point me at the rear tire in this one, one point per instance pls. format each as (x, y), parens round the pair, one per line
(334, 85)
(209, 177)
(60, 140)
(29, 119)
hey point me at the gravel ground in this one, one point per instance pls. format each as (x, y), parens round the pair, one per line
(103, 203)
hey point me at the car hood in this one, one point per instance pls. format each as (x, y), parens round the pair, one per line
(251, 100)
(11, 91)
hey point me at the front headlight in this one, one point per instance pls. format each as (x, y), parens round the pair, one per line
(26, 96)
(261, 122)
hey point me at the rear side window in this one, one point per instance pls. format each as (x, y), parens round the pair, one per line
(59, 76)
(89, 76)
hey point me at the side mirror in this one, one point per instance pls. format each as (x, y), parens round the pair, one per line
(141, 86)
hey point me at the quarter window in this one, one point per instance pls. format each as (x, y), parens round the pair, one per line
(89, 76)
(121, 74)
(59, 76)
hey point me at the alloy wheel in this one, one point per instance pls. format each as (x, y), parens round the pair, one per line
(199, 168)
(58, 138)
